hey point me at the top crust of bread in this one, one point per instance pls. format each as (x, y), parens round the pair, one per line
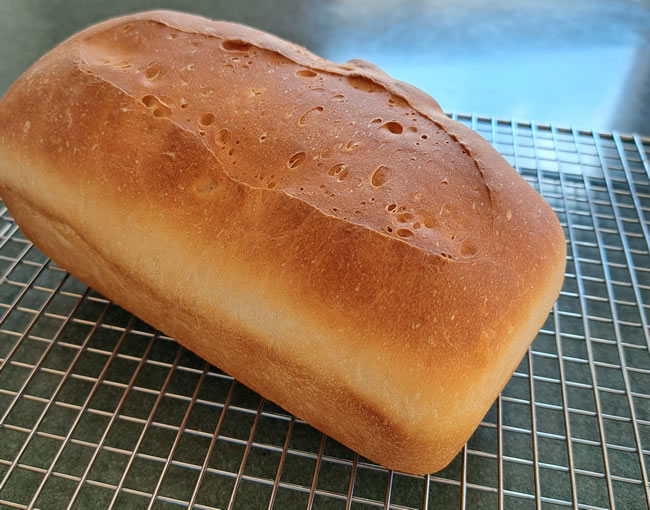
(324, 232)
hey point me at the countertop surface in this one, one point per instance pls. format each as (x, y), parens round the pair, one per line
(584, 64)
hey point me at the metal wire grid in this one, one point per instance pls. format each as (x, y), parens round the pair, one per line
(98, 410)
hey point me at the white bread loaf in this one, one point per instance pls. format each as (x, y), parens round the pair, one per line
(320, 231)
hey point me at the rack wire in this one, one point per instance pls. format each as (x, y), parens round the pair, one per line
(99, 410)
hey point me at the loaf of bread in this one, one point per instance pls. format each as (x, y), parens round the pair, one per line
(320, 231)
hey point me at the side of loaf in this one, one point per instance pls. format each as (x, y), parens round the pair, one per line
(320, 231)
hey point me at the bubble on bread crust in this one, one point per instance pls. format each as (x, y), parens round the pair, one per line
(271, 185)
(397, 101)
(389, 230)
(343, 175)
(338, 98)
(424, 137)
(404, 233)
(296, 160)
(207, 119)
(393, 127)
(351, 146)
(327, 192)
(416, 225)
(404, 217)
(207, 92)
(305, 117)
(468, 248)
(205, 185)
(263, 136)
(361, 83)
(222, 137)
(340, 172)
(428, 219)
(391, 207)
(374, 121)
(412, 129)
(158, 108)
(336, 169)
(154, 71)
(183, 102)
(236, 45)
(254, 92)
(380, 176)
(149, 101)
(306, 73)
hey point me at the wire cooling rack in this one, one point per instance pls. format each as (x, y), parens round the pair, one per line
(98, 410)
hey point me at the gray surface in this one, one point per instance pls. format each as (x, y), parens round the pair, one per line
(92, 400)
(584, 63)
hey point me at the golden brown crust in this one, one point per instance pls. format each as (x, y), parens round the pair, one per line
(257, 202)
